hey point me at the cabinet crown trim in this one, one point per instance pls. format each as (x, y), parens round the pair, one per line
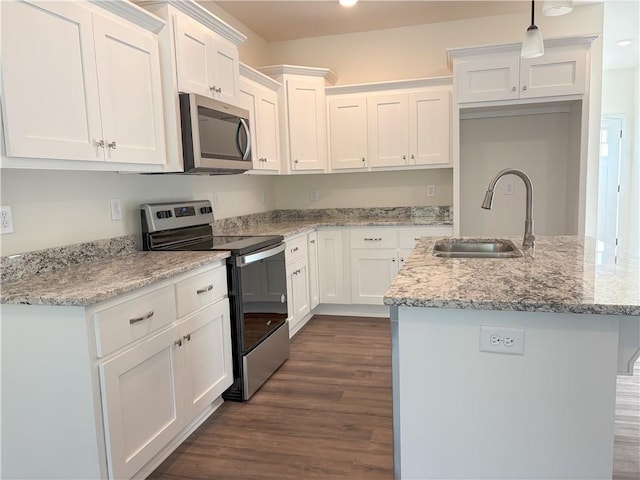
(390, 85)
(453, 53)
(252, 74)
(133, 13)
(202, 15)
(274, 70)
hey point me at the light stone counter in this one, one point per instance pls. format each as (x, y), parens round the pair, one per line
(559, 275)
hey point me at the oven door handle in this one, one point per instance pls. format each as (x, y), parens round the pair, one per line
(260, 255)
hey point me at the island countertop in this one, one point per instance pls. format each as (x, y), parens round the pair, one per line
(560, 274)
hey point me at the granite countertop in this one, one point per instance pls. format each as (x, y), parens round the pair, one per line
(559, 275)
(91, 282)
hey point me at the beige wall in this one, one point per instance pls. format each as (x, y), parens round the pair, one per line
(420, 51)
(369, 189)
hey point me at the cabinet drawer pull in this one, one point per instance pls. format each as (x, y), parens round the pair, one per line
(312, 241)
(372, 239)
(112, 145)
(146, 316)
(206, 289)
(99, 143)
(178, 342)
(513, 89)
(187, 337)
(524, 88)
(293, 250)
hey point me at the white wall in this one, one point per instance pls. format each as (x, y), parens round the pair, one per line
(54, 208)
(620, 98)
(368, 189)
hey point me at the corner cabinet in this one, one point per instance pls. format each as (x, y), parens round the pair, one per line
(259, 95)
(497, 73)
(394, 125)
(90, 95)
(139, 373)
(303, 119)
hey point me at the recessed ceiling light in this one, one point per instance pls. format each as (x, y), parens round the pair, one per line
(624, 43)
(348, 3)
(554, 8)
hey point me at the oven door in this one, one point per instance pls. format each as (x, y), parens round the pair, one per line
(263, 295)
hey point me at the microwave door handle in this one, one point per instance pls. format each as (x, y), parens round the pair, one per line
(247, 151)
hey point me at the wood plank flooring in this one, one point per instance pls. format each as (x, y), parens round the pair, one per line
(326, 414)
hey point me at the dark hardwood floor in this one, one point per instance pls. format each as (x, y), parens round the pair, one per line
(326, 414)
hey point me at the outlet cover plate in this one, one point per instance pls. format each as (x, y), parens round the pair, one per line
(6, 219)
(502, 340)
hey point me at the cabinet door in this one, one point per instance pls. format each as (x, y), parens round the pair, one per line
(128, 66)
(194, 47)
(224, 69)
(299, 307)
(307, 125)
(50, 87)
(206, 346)
(268, 130)
(331, 272)
(372, 271)
(557, 72)
(487, 77)
(348, 132)
(388, 130)
(429, 128)
(314, 292)
(141, 402)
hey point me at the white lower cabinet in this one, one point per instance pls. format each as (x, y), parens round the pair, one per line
(372, 271)
(312, 250)
(331, 267)
(297, 283)
(153, 390)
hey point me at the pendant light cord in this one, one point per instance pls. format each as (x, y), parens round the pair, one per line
(533, 3)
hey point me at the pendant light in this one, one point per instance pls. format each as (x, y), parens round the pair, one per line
(532, 46)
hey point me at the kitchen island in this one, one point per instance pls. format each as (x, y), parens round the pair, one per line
(530, 395)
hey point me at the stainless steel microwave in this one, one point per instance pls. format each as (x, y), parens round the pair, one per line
(215, 136)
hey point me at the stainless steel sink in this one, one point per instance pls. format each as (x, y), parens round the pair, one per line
(475, 248)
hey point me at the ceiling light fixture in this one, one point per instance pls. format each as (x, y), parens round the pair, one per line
(532, 46)
(348, 3)
(554, 8)
(624, 43)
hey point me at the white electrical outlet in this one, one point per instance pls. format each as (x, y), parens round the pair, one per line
(314, 194)
(6, 219)
(116, 209)
(502, 340)
(216, 202)
(431, 190)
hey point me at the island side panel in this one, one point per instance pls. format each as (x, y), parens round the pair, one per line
(469, 414)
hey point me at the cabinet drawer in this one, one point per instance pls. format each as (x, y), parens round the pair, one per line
(121, 324)
(374, 238)
(409, 236)
(200, 290)
(296, 249)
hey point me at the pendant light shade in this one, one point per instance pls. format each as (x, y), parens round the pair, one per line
(533, 45)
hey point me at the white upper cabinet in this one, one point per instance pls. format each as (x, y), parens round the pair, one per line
(207, 63)
(395, 125)
(497, 73)
(388, 130)
(348, 132)
(259, 95)
(91, 90)
(303, 118)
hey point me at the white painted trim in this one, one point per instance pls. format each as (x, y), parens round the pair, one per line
(260, 78)
(276, 70)
(133, 13)
(394, 85)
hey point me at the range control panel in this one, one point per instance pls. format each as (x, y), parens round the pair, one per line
(166, 216)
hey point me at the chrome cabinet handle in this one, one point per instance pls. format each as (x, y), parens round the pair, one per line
(393, 260)
(413, 156)
(404, 157)
(293, 250)
(524, 88)
(146, 316)
(213, 89)
(362, 159)
(373, 239)
(99, 143)
(206, 289)
(112, 145)
(295, 161)
(187, 337)
(312, 241)
(513, 89)
(178, 342)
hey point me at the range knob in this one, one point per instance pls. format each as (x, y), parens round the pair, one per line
(205, 210)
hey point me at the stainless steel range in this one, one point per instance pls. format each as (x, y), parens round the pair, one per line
(256, 279)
